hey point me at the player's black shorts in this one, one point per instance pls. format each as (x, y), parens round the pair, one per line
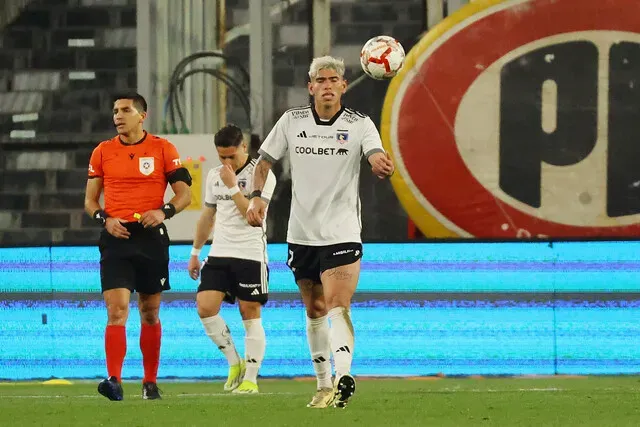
(139, 263)
(308, 262)
(245, 279)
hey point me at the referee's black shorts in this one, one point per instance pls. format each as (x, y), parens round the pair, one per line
(140, 263)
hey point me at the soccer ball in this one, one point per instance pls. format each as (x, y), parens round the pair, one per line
(382, 57)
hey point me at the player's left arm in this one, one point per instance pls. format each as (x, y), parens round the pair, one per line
(267, 192)
(381, 163)
(242, 203)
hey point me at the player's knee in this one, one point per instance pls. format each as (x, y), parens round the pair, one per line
(316, 308)
(149, 315)
(338, 300)
(117, 314)
(206, 310)
(207, 306)
(249, 310)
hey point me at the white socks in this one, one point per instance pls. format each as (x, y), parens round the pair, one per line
(254, 344)
(217, 329)
(339, 340)
(318, 339)
(342, 339)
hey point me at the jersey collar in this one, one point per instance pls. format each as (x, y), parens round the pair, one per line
(135, 143)
(322, 122)
(244, 166)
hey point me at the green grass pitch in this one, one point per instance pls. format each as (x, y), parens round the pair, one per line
(552, 401)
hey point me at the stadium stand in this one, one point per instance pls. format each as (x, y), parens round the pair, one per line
(61, 60)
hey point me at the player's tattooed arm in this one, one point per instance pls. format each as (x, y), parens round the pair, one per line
(260, 173)
(257, 206)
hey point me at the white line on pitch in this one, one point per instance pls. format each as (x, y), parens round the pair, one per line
(181, 395)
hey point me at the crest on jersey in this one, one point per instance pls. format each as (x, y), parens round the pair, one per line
(146, 165)
(242, 184)
(342, 137)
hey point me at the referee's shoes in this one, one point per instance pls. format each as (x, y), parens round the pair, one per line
(111, 389)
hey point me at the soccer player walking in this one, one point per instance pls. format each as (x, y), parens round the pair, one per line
(325, 142)
(237, 263)
(133, 169)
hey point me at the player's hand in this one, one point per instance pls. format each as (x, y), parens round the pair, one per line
(381, 165)
(256, 211)
(116, 229)
(194, 267)
(228, 176)
(152, 218)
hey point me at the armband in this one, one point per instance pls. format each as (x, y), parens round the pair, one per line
(180, 174)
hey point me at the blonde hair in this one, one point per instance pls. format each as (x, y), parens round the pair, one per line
(326, 62)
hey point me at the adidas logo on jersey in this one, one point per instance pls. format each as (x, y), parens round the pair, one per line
(302, 134)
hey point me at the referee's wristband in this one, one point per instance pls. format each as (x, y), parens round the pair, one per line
(195, 251)
(169, 210)
(100, 217)
(234, 190)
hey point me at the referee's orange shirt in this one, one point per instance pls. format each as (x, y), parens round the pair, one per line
(134, 176)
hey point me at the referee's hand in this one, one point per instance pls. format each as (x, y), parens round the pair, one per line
(194, 267)
(116, 229)
(152, 218)
(256, 211)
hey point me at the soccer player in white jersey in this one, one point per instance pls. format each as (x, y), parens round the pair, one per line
(237, 263)
(324, 142)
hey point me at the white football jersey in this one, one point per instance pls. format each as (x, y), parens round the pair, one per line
(233, 237)
(325, 171)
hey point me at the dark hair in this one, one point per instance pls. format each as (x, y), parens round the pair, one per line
(138, 100)
(228, 136)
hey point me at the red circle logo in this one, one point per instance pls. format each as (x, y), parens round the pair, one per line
(519, 118)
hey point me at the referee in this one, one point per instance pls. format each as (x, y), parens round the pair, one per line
(133, 169)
